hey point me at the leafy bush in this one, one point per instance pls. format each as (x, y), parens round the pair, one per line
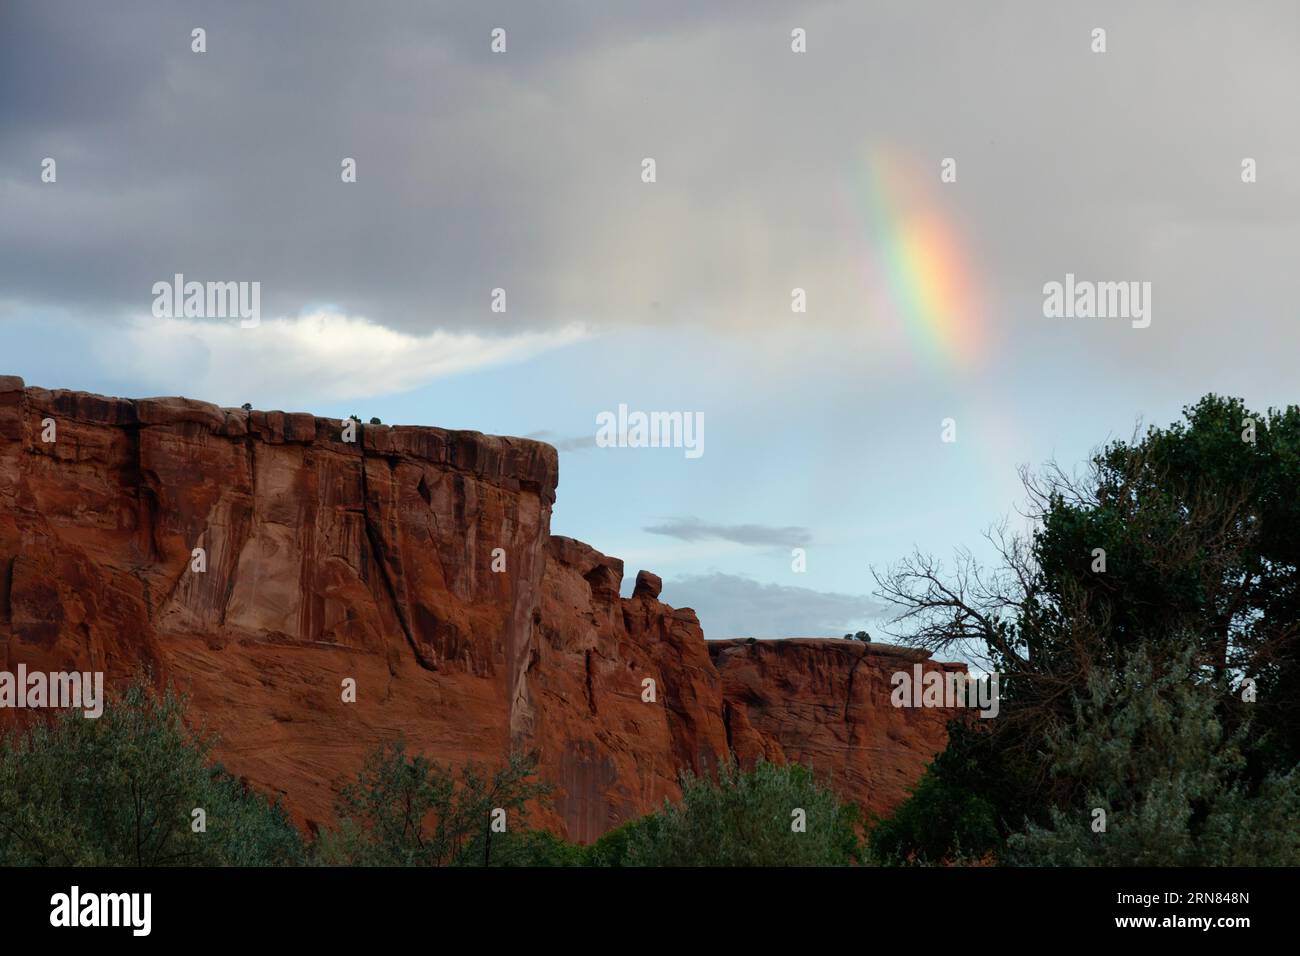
(408, 811)
(120, 790)
(1170, 780)
(746, 819)
(614, 848)
(536, 848)
(946, 819)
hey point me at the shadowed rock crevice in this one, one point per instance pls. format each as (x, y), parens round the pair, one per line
(379, 560)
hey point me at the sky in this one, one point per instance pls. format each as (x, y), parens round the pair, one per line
(921, 171)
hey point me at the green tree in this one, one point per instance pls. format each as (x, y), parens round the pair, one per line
(121, 790)
(615, 847)
(747, 819)
(1185, 536)
(945, 819)
(405, 810)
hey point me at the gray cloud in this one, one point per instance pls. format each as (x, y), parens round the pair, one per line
(694, 529)
(734, 606)
(226, 164)
(522, 170)
(561, 443)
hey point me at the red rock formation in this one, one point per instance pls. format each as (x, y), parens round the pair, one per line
(419, 563)
(824, 703)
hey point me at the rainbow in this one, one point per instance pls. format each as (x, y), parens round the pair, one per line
(916, 255)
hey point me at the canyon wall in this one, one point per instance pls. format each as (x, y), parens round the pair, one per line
(417, 562)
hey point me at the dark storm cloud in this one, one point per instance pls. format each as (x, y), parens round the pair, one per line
(521, 170)
(226, 164)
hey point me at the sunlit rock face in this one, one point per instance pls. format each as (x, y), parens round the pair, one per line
(259, 561)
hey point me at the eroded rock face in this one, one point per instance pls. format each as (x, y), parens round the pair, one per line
(825, 703)
(374, 560)
(627, 695)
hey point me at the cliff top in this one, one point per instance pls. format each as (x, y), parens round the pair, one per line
(523, 459)
(721, 646)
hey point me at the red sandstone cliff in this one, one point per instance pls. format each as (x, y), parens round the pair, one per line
(374, 561)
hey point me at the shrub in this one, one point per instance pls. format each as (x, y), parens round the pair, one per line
(120, 790)
(613, 849)
(746, 819)
(1172, 783)
(946, 819)
(408, 811)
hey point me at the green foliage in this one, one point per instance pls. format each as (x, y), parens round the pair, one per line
(946, 818)
(614, 848)
(1172, 783)
(745, 819)
(536, 848)
(408, 811)
(1200, 531)
(119, 790)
